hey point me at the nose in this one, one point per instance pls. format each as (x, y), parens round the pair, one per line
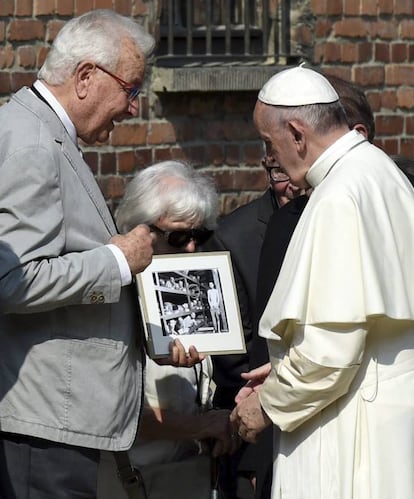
(190, 246)
(133, 107)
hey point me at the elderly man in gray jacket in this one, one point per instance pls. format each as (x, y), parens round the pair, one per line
(71, 354)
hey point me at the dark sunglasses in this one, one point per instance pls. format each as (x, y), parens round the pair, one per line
(180, 238)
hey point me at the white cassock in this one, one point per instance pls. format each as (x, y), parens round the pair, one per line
(340, 329)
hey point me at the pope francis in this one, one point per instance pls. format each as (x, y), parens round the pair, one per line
(340, 320)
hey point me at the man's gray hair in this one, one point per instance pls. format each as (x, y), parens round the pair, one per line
(94, 36)
(320, 117)
(169, 188)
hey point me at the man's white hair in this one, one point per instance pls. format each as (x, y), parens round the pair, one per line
(94, 36)
(169, 188)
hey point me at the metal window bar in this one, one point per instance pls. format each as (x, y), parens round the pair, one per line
(204, 31)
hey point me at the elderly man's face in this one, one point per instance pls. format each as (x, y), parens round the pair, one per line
(106, 102)
(280, 144)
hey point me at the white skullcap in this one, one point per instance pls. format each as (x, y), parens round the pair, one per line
(297, 87)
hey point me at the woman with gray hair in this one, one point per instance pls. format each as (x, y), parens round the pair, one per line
(180, 206)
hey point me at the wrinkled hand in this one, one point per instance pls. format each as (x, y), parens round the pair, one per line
(179, 357)
(217, 428)
(249, 417)
(137, 246)
(255, 378)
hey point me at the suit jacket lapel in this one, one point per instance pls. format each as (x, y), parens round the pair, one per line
(71, 152)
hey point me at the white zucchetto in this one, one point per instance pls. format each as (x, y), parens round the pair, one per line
(298, 86)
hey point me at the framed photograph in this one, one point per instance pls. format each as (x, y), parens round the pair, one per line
(191, 296)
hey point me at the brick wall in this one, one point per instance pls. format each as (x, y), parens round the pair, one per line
(370, 42)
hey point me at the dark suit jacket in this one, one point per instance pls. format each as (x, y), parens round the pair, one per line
(241, 232)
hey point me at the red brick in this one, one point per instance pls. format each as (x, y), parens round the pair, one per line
(390, 146)
(238, 179)
(411, 53)
(407, 148)
(405, 97)
(82, 6)
(407, 29)
(369, 7)
(318, 7)
(385, 7)
(2, 31)
(163, 154)
(332, 52)
(399, 74)
(239, 130)
(143, 156)
(92, 160)
(41, 56)
(388, 99)
(53, 28)
(20, 79)
(103, 4)
(140, 8)
(351, 7)
(123, 7)
(6, 57)
(374, 99)
(26, 29)
(404, 7)
(129, 135)
(389, 125)
(382, 52)
(215, 154)
(6, 7)
(108, 163)
(409, 125)
(351, 27)
(399, 52)
(333, 7)
(196, 155)
(323, 28)
(24, 7)
(319, 53)
(26, 57)
(65, 7)
(232, 155)
(111, 186)
(385, 30)
(348, 52)
(368, 75)
(162, 133)
(253, 154)
(125, 162)
(5, 84)
(44, 7)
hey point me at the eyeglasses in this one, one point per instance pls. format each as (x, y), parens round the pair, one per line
(180, 238)
(276, 174)
(132, 91)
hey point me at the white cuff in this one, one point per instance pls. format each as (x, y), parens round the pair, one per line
(124, 270)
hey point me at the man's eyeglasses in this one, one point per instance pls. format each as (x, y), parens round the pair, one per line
(132, 91)
(276, 174)
(180, 238)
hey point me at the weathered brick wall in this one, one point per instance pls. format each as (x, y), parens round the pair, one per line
(370, 42)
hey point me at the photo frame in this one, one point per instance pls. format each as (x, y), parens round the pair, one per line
(191, 296)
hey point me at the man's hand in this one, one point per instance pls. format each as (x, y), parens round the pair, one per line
(249, 418)
(137, 247)
(179, 357)
(255, 378)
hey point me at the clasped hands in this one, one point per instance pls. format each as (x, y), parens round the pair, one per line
(248, 418)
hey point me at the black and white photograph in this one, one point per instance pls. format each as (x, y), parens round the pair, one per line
(192, 297)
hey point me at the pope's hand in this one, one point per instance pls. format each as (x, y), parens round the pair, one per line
(249, 417)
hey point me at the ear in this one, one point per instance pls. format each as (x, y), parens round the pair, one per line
(359, 127)
(83, 78)
(297, 131)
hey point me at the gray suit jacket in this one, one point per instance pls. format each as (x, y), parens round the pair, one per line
(70, 337)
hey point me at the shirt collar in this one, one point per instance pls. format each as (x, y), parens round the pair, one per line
(58, 109)
(327, 160)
